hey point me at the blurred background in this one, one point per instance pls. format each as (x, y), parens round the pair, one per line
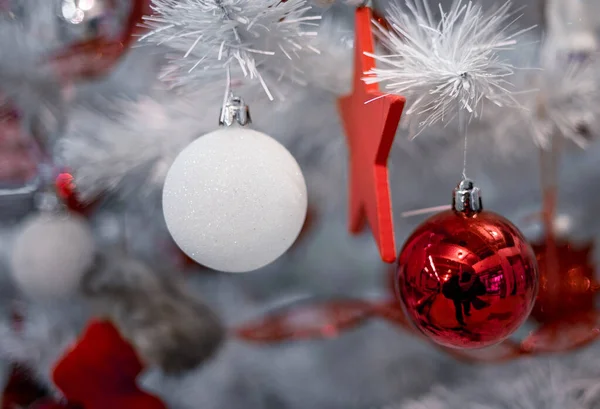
(90, 125)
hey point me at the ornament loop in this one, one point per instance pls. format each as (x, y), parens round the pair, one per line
(235, 111)
(467, 198)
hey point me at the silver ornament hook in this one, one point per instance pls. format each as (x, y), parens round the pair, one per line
(467, 198)
(235, 111)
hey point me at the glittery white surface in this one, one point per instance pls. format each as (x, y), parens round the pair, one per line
(50, 254)
(235, 200)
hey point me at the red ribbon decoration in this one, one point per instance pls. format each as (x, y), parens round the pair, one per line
(318, 320)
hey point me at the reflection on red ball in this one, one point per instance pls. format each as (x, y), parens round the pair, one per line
(467, 281)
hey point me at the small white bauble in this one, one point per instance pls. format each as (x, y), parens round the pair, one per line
(51, 254)
(235, 200)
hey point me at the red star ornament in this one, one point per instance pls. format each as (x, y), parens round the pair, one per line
(370, 120)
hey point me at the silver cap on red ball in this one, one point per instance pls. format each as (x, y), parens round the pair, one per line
(467, 198)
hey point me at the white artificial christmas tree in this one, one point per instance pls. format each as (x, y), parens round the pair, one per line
(119, 135)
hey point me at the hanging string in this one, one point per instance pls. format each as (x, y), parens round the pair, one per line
(462, 130)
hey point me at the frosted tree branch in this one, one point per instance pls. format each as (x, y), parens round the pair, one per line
(252, 35)
(28, 35)
(133, 151)
(567, 98)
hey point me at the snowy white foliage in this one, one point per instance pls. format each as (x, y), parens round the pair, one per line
(47, 330)
(28, 34)
(364, 368)
(445, 66)
(570, 25)
(335, 42)
(539, 384)
(252, 35)
(565, 101)
(131, 152)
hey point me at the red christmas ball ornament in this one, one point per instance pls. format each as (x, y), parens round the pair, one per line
(467, 278)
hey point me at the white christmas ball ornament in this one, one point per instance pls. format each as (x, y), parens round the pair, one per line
(51, 254)
(235, 200)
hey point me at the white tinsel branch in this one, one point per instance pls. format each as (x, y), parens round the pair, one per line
(209, 35)
(567, 100)
(569, 25)
(128, 152)
(441, 67)
(536, 384)
(46, 332)
(28, 82)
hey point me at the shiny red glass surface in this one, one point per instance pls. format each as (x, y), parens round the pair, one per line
(467, 281)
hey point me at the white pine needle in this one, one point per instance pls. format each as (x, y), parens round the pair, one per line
(251, 35)
(441, 67)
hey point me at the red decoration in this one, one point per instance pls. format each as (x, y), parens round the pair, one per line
(565, 306)
(326, 319)
(390, 311)
(370, 120)
(576, 323)
(467, 281)
(66, 189)
(96, 57)
(567, 284)
(575, 327)
(48, 404)
(21, 390)
(100, 372)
